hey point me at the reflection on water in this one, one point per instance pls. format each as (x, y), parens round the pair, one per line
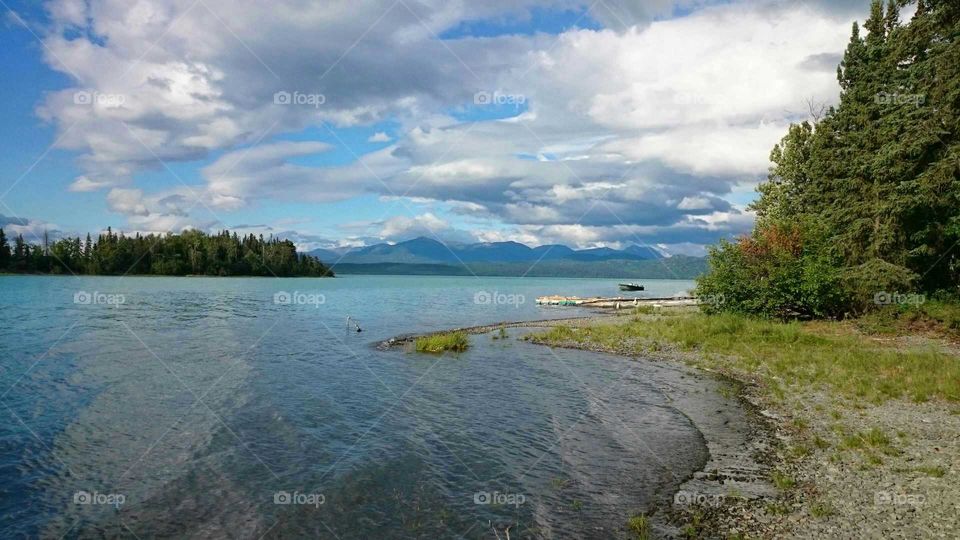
(201, 408)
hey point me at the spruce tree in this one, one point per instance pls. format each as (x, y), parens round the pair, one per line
(879, 173)
(4, 251)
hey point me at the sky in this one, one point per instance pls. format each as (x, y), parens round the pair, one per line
(334, 123)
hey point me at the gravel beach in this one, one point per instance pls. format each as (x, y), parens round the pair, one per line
(843, 468)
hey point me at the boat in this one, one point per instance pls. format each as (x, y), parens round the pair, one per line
(631, 287)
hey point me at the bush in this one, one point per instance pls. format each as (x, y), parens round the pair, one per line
(869, 282)
(783, 270)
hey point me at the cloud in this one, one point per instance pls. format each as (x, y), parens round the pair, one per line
(83, 183)
(405, 228)
(826, 62)
(636, 130)
(32, 230)
(127, 201)
(263, 171)
(718, 150)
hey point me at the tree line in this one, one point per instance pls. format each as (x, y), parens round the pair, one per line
(189, 253)
(863, 201)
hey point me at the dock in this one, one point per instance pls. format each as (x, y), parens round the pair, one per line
(616, 302)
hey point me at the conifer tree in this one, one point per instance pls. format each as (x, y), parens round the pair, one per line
(4, 251)
(879, 173)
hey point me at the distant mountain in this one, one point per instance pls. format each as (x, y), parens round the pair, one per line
(677, 267)
(328, 256)
(426, 256)
(430, 252)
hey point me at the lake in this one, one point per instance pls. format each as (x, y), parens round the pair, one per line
(248, 407)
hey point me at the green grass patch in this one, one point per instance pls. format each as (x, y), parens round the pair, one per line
(821, 353)
(438, 343)
(935, 471)
(639, 527)
(782, 481)
(777, 508)
(820, 442)
(934, 315)
(871, 441)
(695, 527)
(822, 509)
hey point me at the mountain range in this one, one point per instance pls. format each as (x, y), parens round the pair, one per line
(428, 251)
(425, 256)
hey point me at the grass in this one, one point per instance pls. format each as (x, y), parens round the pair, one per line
(933, 315)
(874, 439)
(935, 471)
(695, 527)
(438, 343)
(782, 481)
(639, 526)
(871, 444)
(821, 509)
(821, 353)
(777, 508)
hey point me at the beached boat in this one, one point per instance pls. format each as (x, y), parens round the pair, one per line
(631, 287)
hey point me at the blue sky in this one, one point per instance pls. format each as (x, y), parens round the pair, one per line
(608, 123)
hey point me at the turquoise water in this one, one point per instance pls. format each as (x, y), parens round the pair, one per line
(247, 407)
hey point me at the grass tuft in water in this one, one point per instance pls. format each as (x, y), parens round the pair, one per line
(438, 343)
(639, 527)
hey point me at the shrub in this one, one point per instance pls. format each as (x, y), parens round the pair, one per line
(875, 278)
(783, 270)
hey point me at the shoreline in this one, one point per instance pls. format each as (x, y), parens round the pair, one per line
(81, 276)
(734, 484)
(405, 339)
(845, 462)
(740, 443)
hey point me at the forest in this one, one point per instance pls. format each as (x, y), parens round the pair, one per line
(862, 204)
(188, 253)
